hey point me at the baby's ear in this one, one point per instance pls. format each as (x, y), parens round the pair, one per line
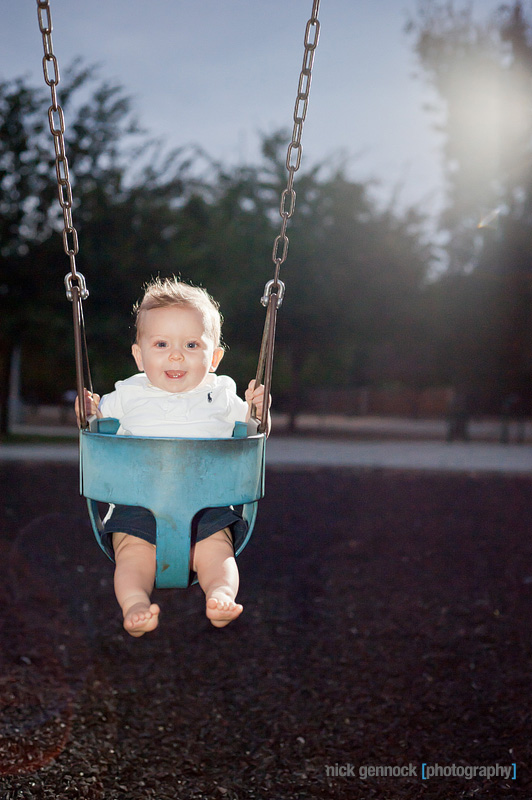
(216, 358)
(137, 355)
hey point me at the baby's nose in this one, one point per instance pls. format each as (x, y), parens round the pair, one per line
(176, 354)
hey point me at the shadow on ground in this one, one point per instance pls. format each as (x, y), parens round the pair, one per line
(387, 622)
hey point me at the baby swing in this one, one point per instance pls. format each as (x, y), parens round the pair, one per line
(174, 478)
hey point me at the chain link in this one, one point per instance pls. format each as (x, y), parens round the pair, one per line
(75, 282)
(56, 121)
(293, 156)
(274, 289)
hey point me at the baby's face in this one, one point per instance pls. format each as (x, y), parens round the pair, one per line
(174, 350)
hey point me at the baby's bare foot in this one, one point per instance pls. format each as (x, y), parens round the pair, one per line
(221, 610)
(141, 618)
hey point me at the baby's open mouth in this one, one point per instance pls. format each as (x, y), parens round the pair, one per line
(174, 373)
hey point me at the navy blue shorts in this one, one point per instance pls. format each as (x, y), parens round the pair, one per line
(140, 522)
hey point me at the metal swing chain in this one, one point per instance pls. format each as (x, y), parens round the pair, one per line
(75, 285)
(272, 297)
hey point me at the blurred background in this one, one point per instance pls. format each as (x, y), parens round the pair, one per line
(409, 267)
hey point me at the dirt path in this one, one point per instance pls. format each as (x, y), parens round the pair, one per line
(386, 623)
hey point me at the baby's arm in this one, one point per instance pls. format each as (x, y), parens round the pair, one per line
(91, 405)
(255, 397)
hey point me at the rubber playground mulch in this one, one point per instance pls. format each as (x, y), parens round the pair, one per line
(386, 626)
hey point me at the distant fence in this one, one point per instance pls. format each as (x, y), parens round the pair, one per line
(400, 401)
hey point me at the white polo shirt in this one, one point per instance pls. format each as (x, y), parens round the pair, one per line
(209, 411)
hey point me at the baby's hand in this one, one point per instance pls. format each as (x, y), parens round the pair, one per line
(91, 405)
(255, 397)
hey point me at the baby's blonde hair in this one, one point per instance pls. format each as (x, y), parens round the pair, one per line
(173, 292)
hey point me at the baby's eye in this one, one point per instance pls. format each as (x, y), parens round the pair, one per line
(161, 344)
(191, 345)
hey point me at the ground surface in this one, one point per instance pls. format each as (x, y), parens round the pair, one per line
(386, 622)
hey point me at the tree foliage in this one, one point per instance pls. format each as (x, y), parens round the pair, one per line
(482, 74)
(354, 273)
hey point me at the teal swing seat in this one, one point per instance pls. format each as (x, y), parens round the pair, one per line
(174, 479)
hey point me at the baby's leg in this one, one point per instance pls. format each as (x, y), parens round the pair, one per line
(134, 579)
(214, 561)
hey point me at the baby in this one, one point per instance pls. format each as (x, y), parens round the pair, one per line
(177, 348)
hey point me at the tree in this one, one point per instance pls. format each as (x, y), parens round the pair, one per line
(482, 74)
(354, 271)
(354, 276)
(24, 196)
(102, 141)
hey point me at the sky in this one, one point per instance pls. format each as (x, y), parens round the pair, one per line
(219, 73)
